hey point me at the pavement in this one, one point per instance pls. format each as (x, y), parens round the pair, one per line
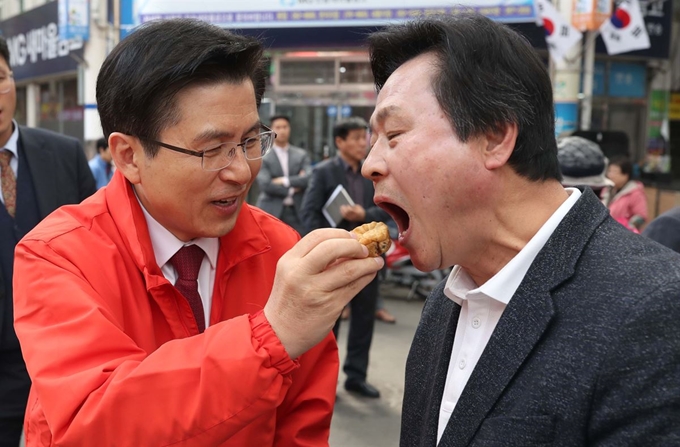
(363, 422)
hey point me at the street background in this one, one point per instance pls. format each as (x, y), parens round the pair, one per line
(363, 422)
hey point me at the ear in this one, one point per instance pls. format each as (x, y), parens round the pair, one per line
(499, 146)
(127, 154)
(338, 142)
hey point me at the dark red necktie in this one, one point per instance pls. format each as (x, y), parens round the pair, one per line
(187, 262)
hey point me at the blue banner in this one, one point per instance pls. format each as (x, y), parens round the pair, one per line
(74, 19)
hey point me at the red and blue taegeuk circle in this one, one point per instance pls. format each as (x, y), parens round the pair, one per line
(548, 26)
(620, 18)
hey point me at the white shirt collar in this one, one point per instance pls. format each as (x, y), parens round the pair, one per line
(165, 244)
(13, 142)
(503, 285)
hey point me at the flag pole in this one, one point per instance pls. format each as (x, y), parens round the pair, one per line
(588, 74)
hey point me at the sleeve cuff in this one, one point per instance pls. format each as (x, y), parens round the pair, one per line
(286, 182)
(267, 339)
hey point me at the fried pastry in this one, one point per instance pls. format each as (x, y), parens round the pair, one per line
(375, 236)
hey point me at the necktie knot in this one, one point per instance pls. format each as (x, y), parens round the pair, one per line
(187, 261)
(5, 157)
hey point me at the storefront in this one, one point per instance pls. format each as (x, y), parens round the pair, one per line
(45, 70)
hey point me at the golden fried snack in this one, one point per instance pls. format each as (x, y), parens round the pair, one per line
(375, 236)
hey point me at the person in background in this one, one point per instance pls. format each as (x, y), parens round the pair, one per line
(626, 201)
(165, 310)
(101, 166)
(40, 171)
(350, 137)
(665, 229)
(557, 326)
(582, 163)
(284, 177)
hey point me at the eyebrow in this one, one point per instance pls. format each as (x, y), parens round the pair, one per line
(383, 114)
(213, 134)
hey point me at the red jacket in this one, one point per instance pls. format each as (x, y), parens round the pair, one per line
(114, 352)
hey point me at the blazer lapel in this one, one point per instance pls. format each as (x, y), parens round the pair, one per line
(525, 320)
(274, 163)
(448, 322)
(339, 173)
(40, 159)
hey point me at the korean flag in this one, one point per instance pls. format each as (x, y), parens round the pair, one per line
(625, 30)
(559, 34)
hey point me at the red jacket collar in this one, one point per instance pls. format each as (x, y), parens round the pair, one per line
(246, 239)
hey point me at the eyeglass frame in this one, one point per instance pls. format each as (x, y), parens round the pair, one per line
(10, 77)
(201, 154)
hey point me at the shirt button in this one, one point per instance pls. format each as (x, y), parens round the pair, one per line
(462, 364)
(476, 322)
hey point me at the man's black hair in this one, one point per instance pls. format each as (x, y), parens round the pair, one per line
(487, 76)
(140, 79)
(279, 117)
(343, 127)
(102, 144)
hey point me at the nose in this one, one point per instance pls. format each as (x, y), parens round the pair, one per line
(374, 167)
(239, 170)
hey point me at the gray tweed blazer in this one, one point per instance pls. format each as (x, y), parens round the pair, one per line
(587, 353)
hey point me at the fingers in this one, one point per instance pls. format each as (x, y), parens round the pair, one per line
(353, 274)
(314, 238)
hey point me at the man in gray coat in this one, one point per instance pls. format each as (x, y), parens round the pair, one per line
(557, 326)
(283, 177)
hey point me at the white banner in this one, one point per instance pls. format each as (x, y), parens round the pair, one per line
(559, 34)
(309, 13)
(625, 31)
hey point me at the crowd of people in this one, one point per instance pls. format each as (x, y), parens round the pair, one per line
(164, 309)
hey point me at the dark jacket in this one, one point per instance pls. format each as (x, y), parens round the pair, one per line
(60, 175)
(271, 195)
(587, 352)
(326, 176)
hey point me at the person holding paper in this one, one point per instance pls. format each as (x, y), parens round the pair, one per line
(350, 137)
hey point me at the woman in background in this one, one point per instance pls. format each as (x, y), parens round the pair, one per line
(626, 201)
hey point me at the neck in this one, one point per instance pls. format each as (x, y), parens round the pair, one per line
(521, 210)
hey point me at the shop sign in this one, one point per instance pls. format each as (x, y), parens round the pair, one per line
(35, 47)
(627, 80)
(674, 107)
(588, 15)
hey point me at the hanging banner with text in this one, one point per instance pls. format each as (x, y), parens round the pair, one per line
(315, 13)
(74, 19)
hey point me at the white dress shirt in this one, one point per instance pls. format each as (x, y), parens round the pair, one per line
(12, 146)
(482, 307)
(165, 245)
(282, 155)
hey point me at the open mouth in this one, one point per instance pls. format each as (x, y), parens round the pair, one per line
(398, 214)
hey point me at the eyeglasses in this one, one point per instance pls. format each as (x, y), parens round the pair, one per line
(6, 80)
(219, 157)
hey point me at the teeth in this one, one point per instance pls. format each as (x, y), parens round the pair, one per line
(400, 234)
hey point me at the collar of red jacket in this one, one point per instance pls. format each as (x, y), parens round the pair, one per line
(247, 239)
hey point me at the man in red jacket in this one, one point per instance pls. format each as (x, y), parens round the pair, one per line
(165, 310)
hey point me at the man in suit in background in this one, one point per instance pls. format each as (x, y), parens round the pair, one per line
(350, 138)
(284, 177)
(557, 326)
(40, 172)
(101, 166)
